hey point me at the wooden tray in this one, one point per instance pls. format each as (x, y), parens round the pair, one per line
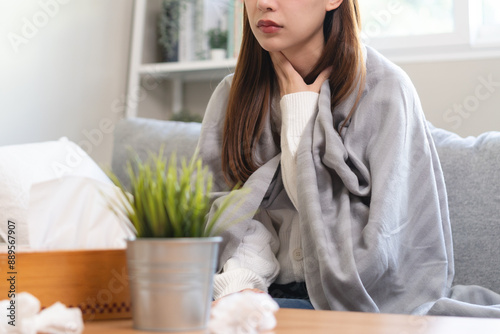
(96, 281)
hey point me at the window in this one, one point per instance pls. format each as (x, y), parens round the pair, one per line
(491, 12)
(406, 18)
(486, 23)
(416, 29)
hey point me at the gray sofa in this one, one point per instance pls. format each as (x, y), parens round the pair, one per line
(471, 168)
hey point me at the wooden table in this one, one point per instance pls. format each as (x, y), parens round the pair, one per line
(292, 321)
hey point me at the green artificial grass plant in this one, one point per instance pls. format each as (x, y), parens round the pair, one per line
(167, 201)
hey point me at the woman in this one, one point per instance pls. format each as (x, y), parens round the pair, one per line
(331, 141)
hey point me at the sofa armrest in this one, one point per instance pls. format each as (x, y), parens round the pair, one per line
(144, 136)
(471, 168)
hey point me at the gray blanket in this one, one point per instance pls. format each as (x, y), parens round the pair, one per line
(373, 207)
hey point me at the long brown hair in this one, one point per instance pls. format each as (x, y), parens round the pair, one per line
(254, 79)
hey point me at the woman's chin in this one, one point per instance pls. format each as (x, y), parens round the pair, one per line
(271, 48)
(270, 45)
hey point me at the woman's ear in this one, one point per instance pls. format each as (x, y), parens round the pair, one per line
(333, 4)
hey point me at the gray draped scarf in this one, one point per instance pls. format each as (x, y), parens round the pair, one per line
(373, 208)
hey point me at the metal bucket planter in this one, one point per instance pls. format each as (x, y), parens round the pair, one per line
(171, 282)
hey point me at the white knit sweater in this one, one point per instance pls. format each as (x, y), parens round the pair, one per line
(251, 267)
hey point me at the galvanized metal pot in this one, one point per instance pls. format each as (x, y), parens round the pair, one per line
(171, 282)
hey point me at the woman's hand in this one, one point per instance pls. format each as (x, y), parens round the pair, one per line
(252, 290)
(290, 80)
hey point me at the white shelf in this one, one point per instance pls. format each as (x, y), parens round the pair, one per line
(143, 52)
(190, 71)
(188, 66)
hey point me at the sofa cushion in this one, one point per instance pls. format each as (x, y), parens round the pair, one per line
(471, 167)
(144, 136)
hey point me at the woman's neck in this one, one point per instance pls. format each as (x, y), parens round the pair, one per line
(303, 61)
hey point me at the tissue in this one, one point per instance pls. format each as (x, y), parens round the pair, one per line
(24, 165)
(72, 212)
(56, 319)
(244, 312)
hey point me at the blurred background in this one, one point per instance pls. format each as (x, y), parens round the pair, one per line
(75, 67)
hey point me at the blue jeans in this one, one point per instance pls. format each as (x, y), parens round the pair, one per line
(294, 303)
(292, 295)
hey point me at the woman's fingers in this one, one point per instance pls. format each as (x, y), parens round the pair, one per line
(290, 81)
(253, 290)
(283, 70)
(215, 302)
(322, 77)
(280, 62)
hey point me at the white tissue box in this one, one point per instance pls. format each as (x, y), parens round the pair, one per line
(96, 281)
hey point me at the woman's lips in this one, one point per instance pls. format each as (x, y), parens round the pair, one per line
(268, 27)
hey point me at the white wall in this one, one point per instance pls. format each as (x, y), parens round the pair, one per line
(63, 65)
(71, 76)
(460, 96)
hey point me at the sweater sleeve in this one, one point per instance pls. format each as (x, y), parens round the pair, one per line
(296, 109)
(247, 254)
(254, 264)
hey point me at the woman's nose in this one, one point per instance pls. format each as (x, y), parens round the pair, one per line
(266, 5)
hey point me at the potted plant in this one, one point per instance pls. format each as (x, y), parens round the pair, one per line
(186, 116)
(217, 40)
(172, 260)
(168, 29)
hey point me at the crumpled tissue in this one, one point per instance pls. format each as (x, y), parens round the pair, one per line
(244, 312)
(55, 319)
